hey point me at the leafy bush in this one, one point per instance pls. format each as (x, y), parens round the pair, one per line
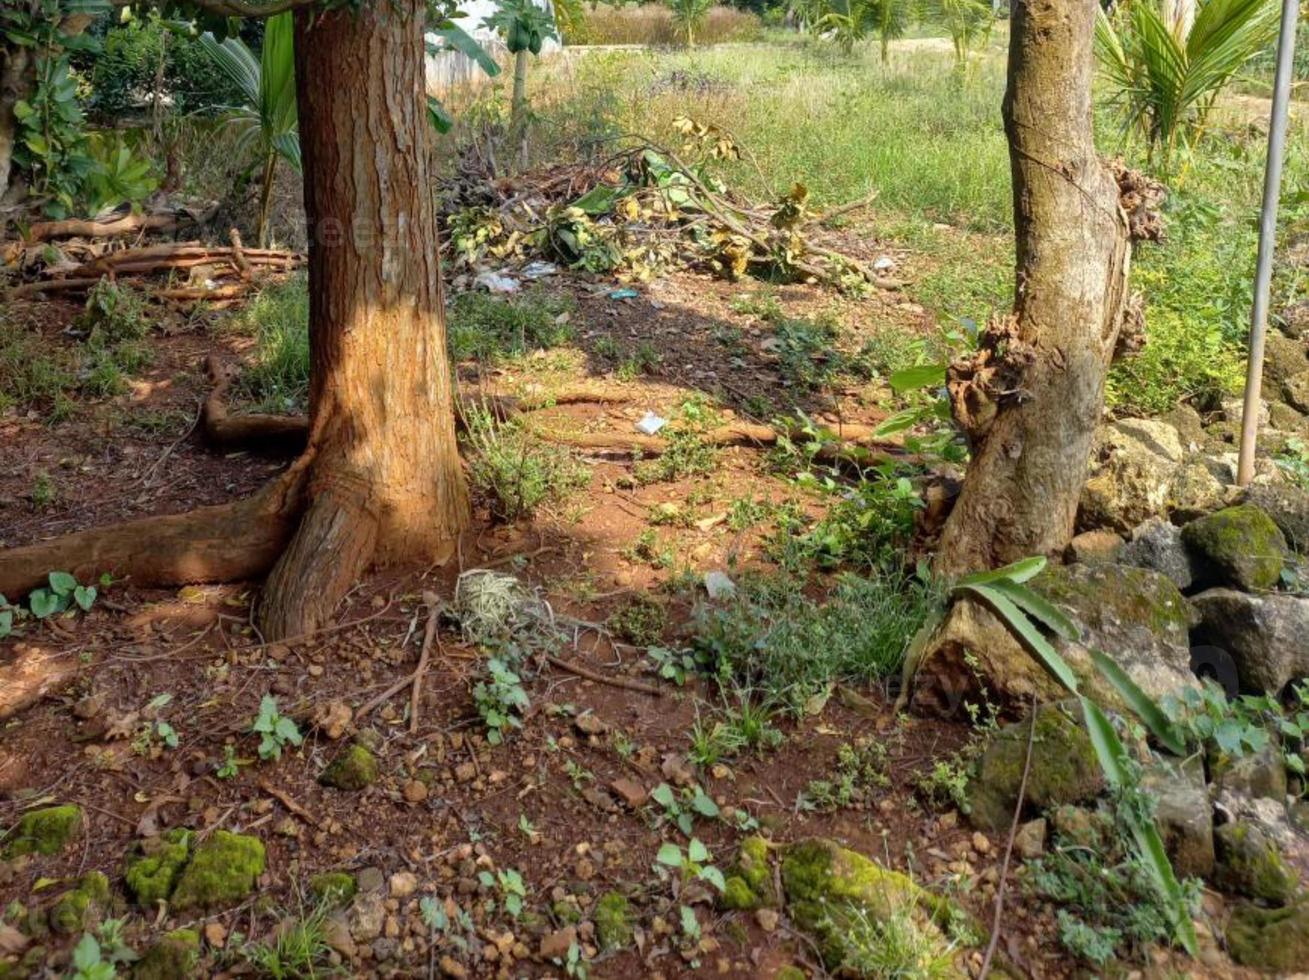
(871, 524)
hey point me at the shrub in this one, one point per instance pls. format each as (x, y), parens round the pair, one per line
(515, 471)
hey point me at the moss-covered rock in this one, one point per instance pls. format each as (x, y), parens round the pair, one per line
(1064, 767)
(1250, 863)
(1239, 546)
(152, 872)
(222, 872)
(353, 768)
(850, 905)
(333, 887)
(790, 972)
(1255, 774)
(173, 957)
(749, 883)
(82, 908)
(46, 831)
(613, 920)
(1273, 940)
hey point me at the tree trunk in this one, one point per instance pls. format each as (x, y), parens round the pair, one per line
(17, 79)
(1032, 395)
(518, 110)
(384, 479)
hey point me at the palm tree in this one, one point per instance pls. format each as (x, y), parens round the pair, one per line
(267, 120)
(1168, 60)
(689, 16)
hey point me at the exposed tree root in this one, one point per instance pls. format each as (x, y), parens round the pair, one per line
(281, 434)
(128, 224)
(33, 674)
(223, 543)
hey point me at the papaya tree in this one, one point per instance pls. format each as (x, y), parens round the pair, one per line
(524, 27)
(380, 479)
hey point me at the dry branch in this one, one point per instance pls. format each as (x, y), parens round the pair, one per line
(33, 674)
(163, 220)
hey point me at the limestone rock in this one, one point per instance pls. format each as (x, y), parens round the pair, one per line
(1238, 546)
(1289, 509)
(1157, 544)
(1064, 768)
(1135, 615)
(1096, 547)
(1259, 774)
(1133, 463)
(1267, 636)
(833, 893)
(1029, 841)
(1183, 815)
(1294, 320)
(1274, 940)
(1295, 390)
(1249, 862)
(1196, 490)
(1283, 358)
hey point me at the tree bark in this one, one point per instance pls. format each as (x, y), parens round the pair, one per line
(17, 79)
(1031, 397)
(384, 479)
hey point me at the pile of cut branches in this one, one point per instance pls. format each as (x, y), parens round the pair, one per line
(642, 212)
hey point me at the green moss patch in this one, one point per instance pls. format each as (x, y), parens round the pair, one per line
(333, 887)
(613, 921)
(1239, 546)
(83, 907)
(1251, 864)
(152, 874)
(749, 882)
(46, 831)
(222, 871)
(174, 957)
(353, 769)
(1273, 940)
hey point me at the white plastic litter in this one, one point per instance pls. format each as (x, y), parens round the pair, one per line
(650, 423)
(494, 282)
(884, 263)
(539, 270)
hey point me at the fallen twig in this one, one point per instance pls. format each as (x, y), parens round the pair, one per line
(591, 675)
(288, 802)
(433, 604)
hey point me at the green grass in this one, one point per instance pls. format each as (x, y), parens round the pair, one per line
(277, 379)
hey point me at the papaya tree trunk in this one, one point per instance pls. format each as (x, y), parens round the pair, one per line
(266, 197)
(1030, 398)
(17, 80)
(518, 110)
(384, 483)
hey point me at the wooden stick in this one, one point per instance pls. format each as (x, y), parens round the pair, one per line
(591, 675)
(286, 801)
(433, 604)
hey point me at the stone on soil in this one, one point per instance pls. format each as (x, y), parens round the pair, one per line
(1063, 769)
(1250, 863)
(353, 769)
(1267, 636)
(1157, 544)
(1272, 940)
(173, 957)
(1238, 546)
(1183, 814)
(1288, 507)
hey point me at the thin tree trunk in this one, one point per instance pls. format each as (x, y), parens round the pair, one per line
(1030, 399)
(384, 483)
(518, 110)
(266, 197)
(17, 79)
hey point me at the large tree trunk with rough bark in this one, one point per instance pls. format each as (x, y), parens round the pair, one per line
(380, 479)
(384, 480)
(1030, 398)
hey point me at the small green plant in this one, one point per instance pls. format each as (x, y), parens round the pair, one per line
(515, 471)
(61, 593)
(691, 862)
(671, 665)
(944, 785)
(114, 312)
(871, 524)
(43, 491)
(299, 950)
(89, 962)
(686, 453)
(682, 809)
(509, 883)
(862, 766)
(1242, 725)
(501, 698)
(230, 766)
(640, 621)
(578, 774)
(275, 731)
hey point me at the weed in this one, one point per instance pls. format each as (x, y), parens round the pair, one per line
(670, 665)
(712, 741)
(298, 950)
(516, 472)
(43, 493)
(500, 697)
(275, 731)
(691, 862)
(772, 639)
(762, 304)
(484, 327)
(640, 621)
(862, 766)
(277, 379)
(807, 356)
(644, 360)
(61, 592)
(114, 312)
(944, 785)
(32, 375)
(686, 453)
(1243, 725)
(230, 765)
(895, 945)
(509, 883)
(870, 525)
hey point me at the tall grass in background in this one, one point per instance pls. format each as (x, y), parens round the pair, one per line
(654, 24)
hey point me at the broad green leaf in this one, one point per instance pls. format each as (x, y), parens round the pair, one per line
(696, 851)
(1037, 605)
(1023, 570)
(1141, 703)
(43, 603)
(84, 596)
(1028, 634)
(663, 795)
(669, 854)
(921, 376)
(714, 877)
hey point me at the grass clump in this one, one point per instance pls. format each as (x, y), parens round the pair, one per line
(515, 472)
(789, 649)
(297, 950)
(484, 327)
(277, 380)
(640, 621)
(654, 24)
(862, 767)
